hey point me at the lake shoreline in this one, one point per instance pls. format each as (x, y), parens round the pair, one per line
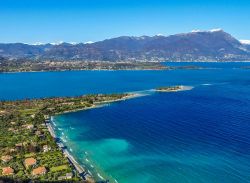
(83, 172)
(111, 70)
(77, 167)
(155, 67)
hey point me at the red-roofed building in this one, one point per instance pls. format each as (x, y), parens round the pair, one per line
(39, 171)
(29, 162)
(7, 171)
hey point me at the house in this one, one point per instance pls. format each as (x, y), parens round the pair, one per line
(69, 175)
(19, 146)
(30, 126)
(46, 148)
(12, 150)
(6, 158)
(7, 171)
(11, 129)
(39, 171)
(2, 113)
(41, 136)
(46, 116)
(62, 178)
(29, 162)
(38, 132)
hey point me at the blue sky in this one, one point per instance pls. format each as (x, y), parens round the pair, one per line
(31, 21)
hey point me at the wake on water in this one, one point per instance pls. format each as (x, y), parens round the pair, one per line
(210, 84)
(206, 84)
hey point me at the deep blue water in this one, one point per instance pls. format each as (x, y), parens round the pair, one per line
(195, 136)
(46, 84)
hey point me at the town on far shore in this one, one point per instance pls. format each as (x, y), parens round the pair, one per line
(28, 65)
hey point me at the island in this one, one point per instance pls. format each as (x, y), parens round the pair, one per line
(170, 88)
(28, 148)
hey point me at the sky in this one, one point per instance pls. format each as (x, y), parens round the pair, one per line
(46, 21)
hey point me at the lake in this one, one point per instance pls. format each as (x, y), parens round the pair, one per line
(192, 136)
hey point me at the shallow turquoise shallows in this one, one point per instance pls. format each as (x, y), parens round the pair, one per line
(200, 135)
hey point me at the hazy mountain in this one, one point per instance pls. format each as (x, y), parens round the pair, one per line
(21, 50)
(193, 46)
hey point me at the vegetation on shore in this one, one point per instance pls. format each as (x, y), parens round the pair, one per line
(27, 149)
(169, 88)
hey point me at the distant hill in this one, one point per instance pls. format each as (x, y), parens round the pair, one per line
(214, 45)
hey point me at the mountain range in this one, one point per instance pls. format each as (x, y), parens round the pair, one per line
(213, 45)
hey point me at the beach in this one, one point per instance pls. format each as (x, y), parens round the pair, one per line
(83, 172)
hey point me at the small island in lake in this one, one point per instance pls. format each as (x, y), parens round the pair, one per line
(29, 149)
(170, 88)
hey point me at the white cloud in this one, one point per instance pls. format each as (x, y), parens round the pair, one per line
(245, 41)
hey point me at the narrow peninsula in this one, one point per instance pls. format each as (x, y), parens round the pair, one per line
(28, 148)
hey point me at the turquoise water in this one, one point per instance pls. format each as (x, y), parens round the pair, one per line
(193, 136)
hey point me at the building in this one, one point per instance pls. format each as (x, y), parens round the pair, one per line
(29, 126)
(69, 175)
(7, 171)
(62, 178)
(19, 146)
(29, 162)
(12, 150)
(46, 148)
(39, 171)
(38, 132)
(6, 158)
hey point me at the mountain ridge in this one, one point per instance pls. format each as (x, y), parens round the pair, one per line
(213, 45)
